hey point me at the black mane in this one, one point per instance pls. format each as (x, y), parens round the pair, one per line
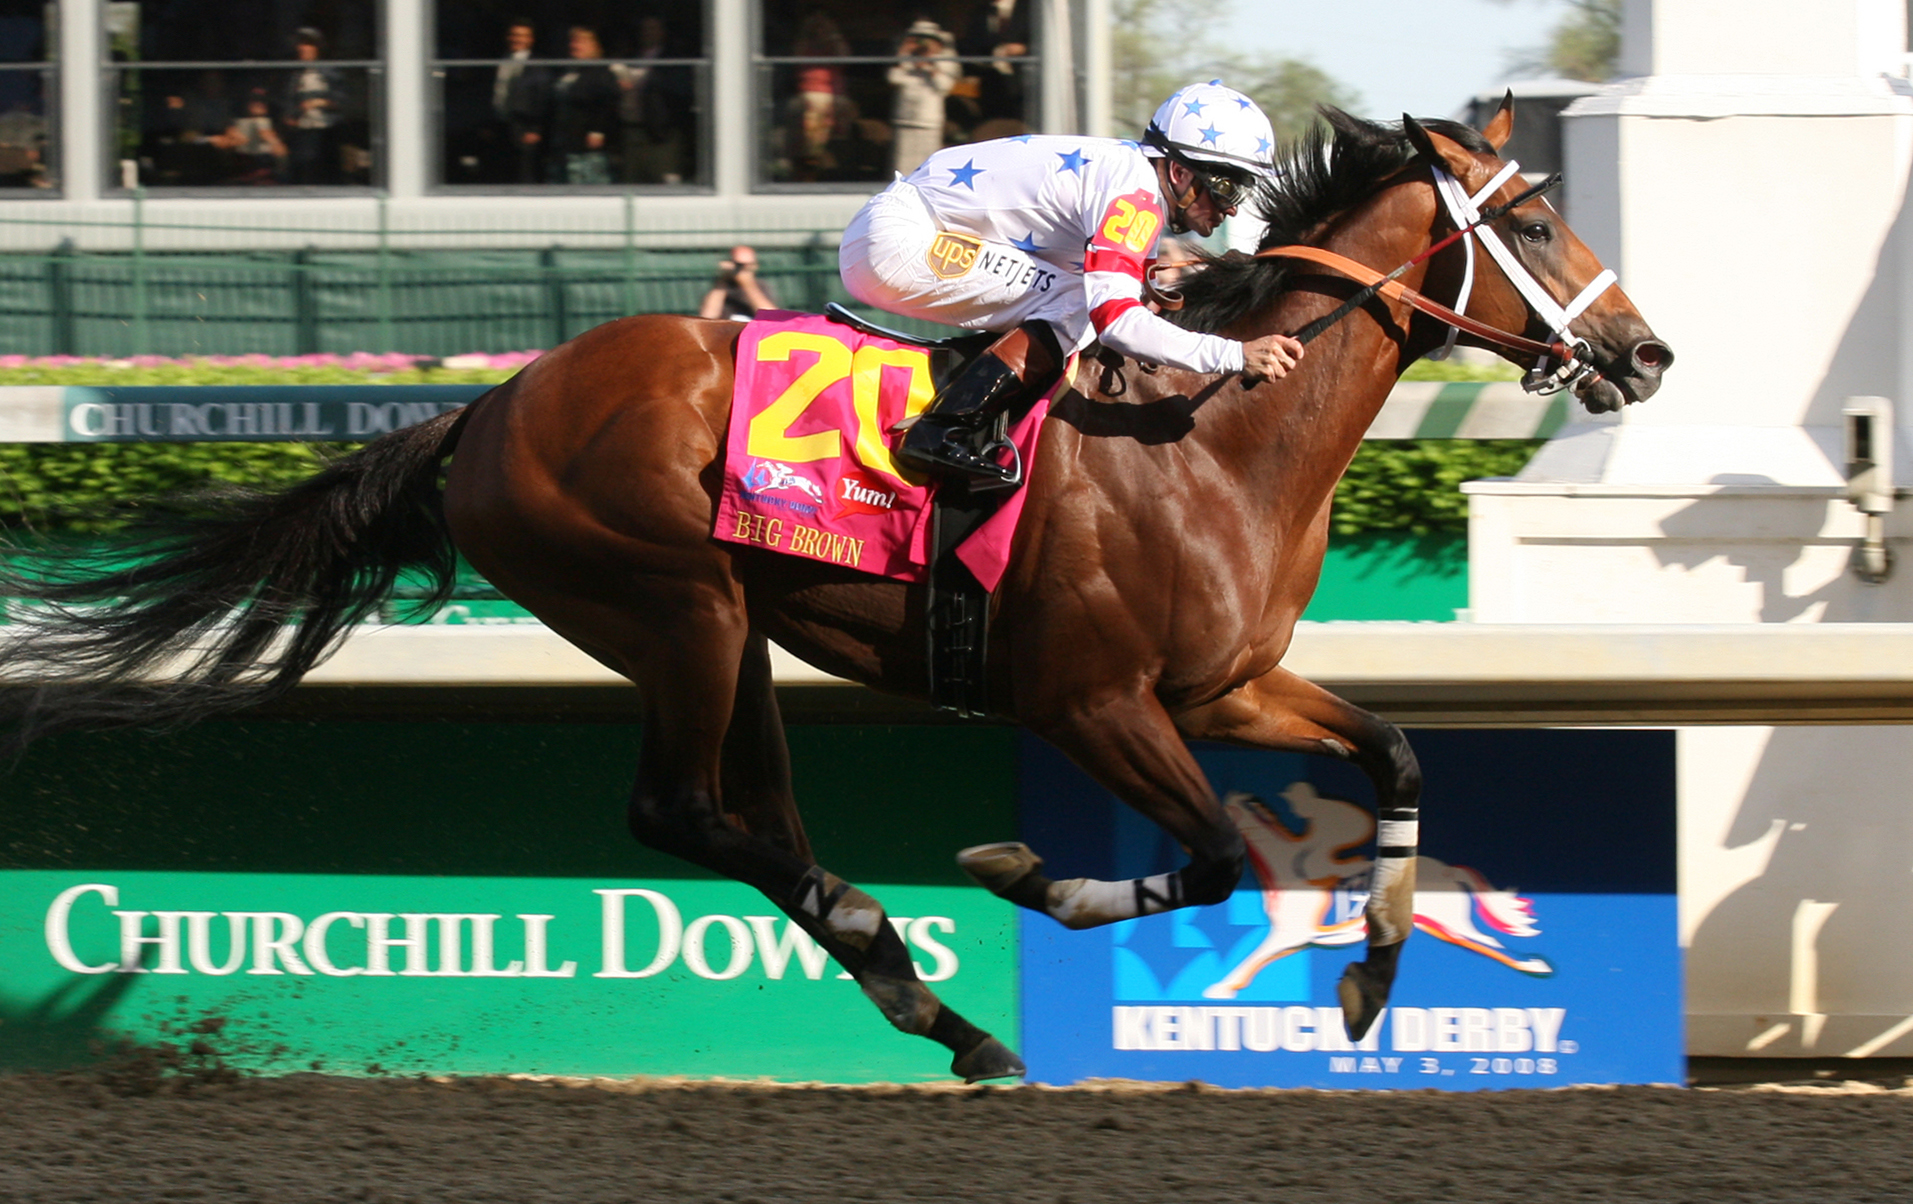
(1333, 167)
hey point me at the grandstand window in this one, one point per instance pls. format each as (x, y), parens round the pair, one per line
(28, 84)
(572, 94)
(851, 91)
(228, 94)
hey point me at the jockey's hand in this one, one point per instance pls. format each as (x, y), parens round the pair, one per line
(1269, 358)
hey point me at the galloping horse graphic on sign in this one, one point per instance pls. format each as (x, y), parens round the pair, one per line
(1302, 871)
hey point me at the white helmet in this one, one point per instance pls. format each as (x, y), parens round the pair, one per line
(1213, 124)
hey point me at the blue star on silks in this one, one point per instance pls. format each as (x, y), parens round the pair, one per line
(1131, 143)
(1210, 135)
(1194, 107)
(1026, 243)
(1262, 146)
(1073, 161)
(966, 175)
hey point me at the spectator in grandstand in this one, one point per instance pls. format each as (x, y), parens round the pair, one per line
(820, 128)
(924, 74)
(261, 154)
(999, 30)
(521, 93)
(584, 101)
(736, 294)
(315, 101)
(653, 110)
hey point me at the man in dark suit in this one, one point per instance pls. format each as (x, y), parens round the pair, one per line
(1001, 30)
(521, 100)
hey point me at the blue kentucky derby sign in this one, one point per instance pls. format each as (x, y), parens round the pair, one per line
(1545, 950)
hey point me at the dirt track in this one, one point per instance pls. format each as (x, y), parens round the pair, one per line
(75, 1138)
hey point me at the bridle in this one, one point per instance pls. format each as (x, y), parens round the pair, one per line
(1559, 364)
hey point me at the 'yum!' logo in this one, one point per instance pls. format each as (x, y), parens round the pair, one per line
(859, 492)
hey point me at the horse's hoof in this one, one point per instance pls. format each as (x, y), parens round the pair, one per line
(998, 867)
(1363, 997)
(990, 1059)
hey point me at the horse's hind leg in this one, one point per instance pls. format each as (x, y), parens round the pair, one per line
(756, 760)
(1129, 744)
(714, 788)
(1282, 711)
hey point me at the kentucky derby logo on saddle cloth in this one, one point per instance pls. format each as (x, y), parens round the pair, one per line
(808, 467)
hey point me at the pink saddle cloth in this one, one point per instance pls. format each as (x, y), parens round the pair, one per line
(808, 465)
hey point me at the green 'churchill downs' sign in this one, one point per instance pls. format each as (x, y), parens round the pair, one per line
(438, 897)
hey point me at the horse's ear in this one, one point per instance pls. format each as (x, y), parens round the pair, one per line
(1418, 138)
(1437, 148)
(1502, 123)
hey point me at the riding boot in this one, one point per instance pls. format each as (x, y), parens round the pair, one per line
(962, 432)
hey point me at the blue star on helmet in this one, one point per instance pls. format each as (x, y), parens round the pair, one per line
(1244, 102)
(1263, 146)
(1194, 107)
(1210, 135)
(966, 175)
(1026, 243)
(1073, 161)
(1020, 138)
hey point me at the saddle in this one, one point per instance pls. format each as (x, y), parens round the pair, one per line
(957, 613)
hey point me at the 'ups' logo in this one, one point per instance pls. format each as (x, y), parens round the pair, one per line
(953, 255)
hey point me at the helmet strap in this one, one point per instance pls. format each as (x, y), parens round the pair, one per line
(1178, 204)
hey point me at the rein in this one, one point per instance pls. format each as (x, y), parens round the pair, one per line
(1389, 287)
(1307, 334)
(1557, 365)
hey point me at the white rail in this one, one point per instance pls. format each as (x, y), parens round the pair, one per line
(1441, 674)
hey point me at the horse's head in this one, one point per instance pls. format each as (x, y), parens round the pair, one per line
(1626, 358)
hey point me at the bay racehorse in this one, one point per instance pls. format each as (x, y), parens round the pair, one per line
(1173, 533)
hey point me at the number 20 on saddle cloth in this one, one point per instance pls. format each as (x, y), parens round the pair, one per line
(808, 468)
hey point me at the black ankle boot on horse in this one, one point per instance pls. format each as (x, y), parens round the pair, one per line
(964, 432)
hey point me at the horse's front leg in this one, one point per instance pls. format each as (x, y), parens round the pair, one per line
(1282, 711)
(1130, 745)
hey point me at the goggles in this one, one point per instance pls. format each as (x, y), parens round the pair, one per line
(1228, 191)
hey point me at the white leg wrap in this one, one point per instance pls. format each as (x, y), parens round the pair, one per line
(1397, 834)
(1087, 902)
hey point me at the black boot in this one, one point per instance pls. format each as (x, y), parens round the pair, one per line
(962, 433)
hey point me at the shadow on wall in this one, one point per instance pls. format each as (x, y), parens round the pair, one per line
(64, 1028)
(1779, 548)
(1859, 367)
(1816, 921)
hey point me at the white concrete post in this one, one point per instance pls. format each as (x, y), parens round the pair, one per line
(408, 142)
(82, 129)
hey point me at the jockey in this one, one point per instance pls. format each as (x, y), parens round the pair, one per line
(1046, 237)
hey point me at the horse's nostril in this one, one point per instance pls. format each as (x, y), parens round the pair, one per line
(1650, 356)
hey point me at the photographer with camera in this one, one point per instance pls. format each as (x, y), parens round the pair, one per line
(924, 74)
(736, 293)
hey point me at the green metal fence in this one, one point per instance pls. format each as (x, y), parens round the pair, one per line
(425, 302)
(436, 301)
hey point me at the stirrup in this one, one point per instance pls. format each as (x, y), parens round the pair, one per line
(952, 455)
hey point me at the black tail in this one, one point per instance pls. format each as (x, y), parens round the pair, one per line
(229, 606)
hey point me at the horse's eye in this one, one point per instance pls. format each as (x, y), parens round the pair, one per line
(1536, 232)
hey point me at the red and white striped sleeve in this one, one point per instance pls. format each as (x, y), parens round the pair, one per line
(1125, 234)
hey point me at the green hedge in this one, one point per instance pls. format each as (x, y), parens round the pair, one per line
(1406, 486)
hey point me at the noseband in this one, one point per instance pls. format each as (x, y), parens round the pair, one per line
(1559, 364)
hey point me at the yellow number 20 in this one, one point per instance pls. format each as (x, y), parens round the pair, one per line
(769, 434)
